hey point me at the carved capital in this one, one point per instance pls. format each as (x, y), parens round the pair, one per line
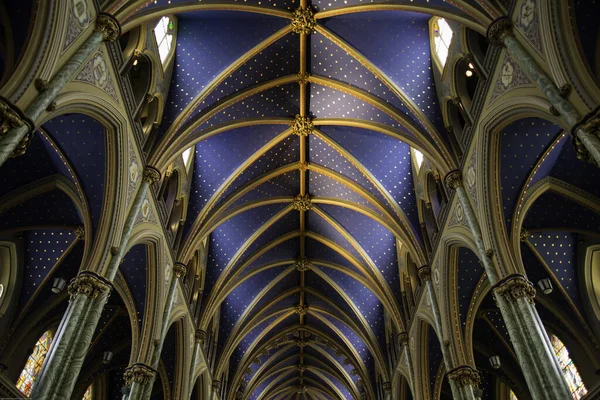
(301, 309)
(151, 175)
(453, 180)
(515, 287)
(403, 339)
(88, 284)
(23, 145)
(216, 385)
(302, 203)
(524, 235)
(10, 117)
(80, 232)
(303, 21)
(424, 273)
(108, 26)
(465, 375)
(302, 264)
(387, 387)
(139, 373)
(499, 30)
(581, 151)
(179, 269)
(302, 126)
(200, 336)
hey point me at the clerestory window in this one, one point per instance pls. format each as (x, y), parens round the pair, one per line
(442, 38)
(163, 32)
(34, 363)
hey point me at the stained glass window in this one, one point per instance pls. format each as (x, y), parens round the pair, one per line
(442, 39)
(164, 38)
(568, 368)
(34, 363)
(88, 395)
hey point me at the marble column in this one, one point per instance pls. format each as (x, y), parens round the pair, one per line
(138, 377)
(89, 294)
(586, 136)
(198, 345)
(63, 362)
(179, 270)
(16, 139)
(460, 390)
(514, 297)
(465, 381)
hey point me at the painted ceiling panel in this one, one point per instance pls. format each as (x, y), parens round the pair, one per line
(206, 46)
(260, 390)
(319, 251)
(521, 144)
(290, 282)
(228, 238)
(53, 208)
(387, 158)
(284, 185)
(468, 275)
(547, 164)
(533, 266)
(320, 226)
(277, 60)
(333, 4)
(43, 248)
(135, 268)
(558, 250)
(315, 352)
(576, 172)
(316, 283)
(552, 210)
(247, 341)
(331, 61)
(321, 185)
(281, 101)
(280, 5)
(287, 250)
(283, 153)
(402, 52)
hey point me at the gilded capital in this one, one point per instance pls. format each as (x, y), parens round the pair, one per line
(499, 30)
(216, 385)
(454, 179)
(9, 117)
(303, 21)
(403, 338)
(151, 175)
(424, 273)
(88, 284)
(302, 264)
(23, 145)
(179, 269)
(302, 126)
(108, 26)
(515, 287)
(139, 373)
(302, 202)
(465, 375)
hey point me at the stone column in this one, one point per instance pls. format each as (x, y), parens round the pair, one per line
(199, 344)
(514, 297)
(62, 366)
(465, 379)
(586, 136)
(88, 293)
(179, 270)
(137, 378)
(464, 392)
(16, 139)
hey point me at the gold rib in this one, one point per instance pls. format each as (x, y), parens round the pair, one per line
(341, 370)
(434, 11)
(179, 9)
(284, 372)
(264, 368)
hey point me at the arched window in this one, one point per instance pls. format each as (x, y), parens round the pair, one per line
(417, 159)
(34, 363)
(163, 31)
(568, 368)
(188, 156)
(442, 38)
(89, 394)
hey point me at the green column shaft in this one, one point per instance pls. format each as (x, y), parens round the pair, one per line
(195, 356)
(563, 106)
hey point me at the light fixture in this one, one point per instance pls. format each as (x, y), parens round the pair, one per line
(495, 362)
(107, 357)
(58, 285)
(135, 62)
(469, 73)
(545, 285)
(471, 66)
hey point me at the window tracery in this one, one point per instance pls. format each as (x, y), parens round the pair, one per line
(568, 368)
(34, 363)
(442, 39)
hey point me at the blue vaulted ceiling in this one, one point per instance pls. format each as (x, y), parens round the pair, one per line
(367, 103)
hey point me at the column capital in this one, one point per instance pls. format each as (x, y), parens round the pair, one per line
(179, 269)
(514, 287)
(590, 123)
(150, 175)
(403, 338)
(108, 26)
(200, 336)
(303, 21)
(424, 273)
(387, 387)
(499, 30)
(88, 284)
(453, 179)
(465, 375)
(139, 373)
(216, 385)
(11, 117)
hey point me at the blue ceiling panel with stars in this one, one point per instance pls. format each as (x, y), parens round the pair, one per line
(552, 210)
(286, 251)
(521, 144)
(152, 5)
(285, 285)
(317, 224)
(469, 271)
(324, 289)
(244, 345)
(324, 5)
(283, 185)
(321, 185)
